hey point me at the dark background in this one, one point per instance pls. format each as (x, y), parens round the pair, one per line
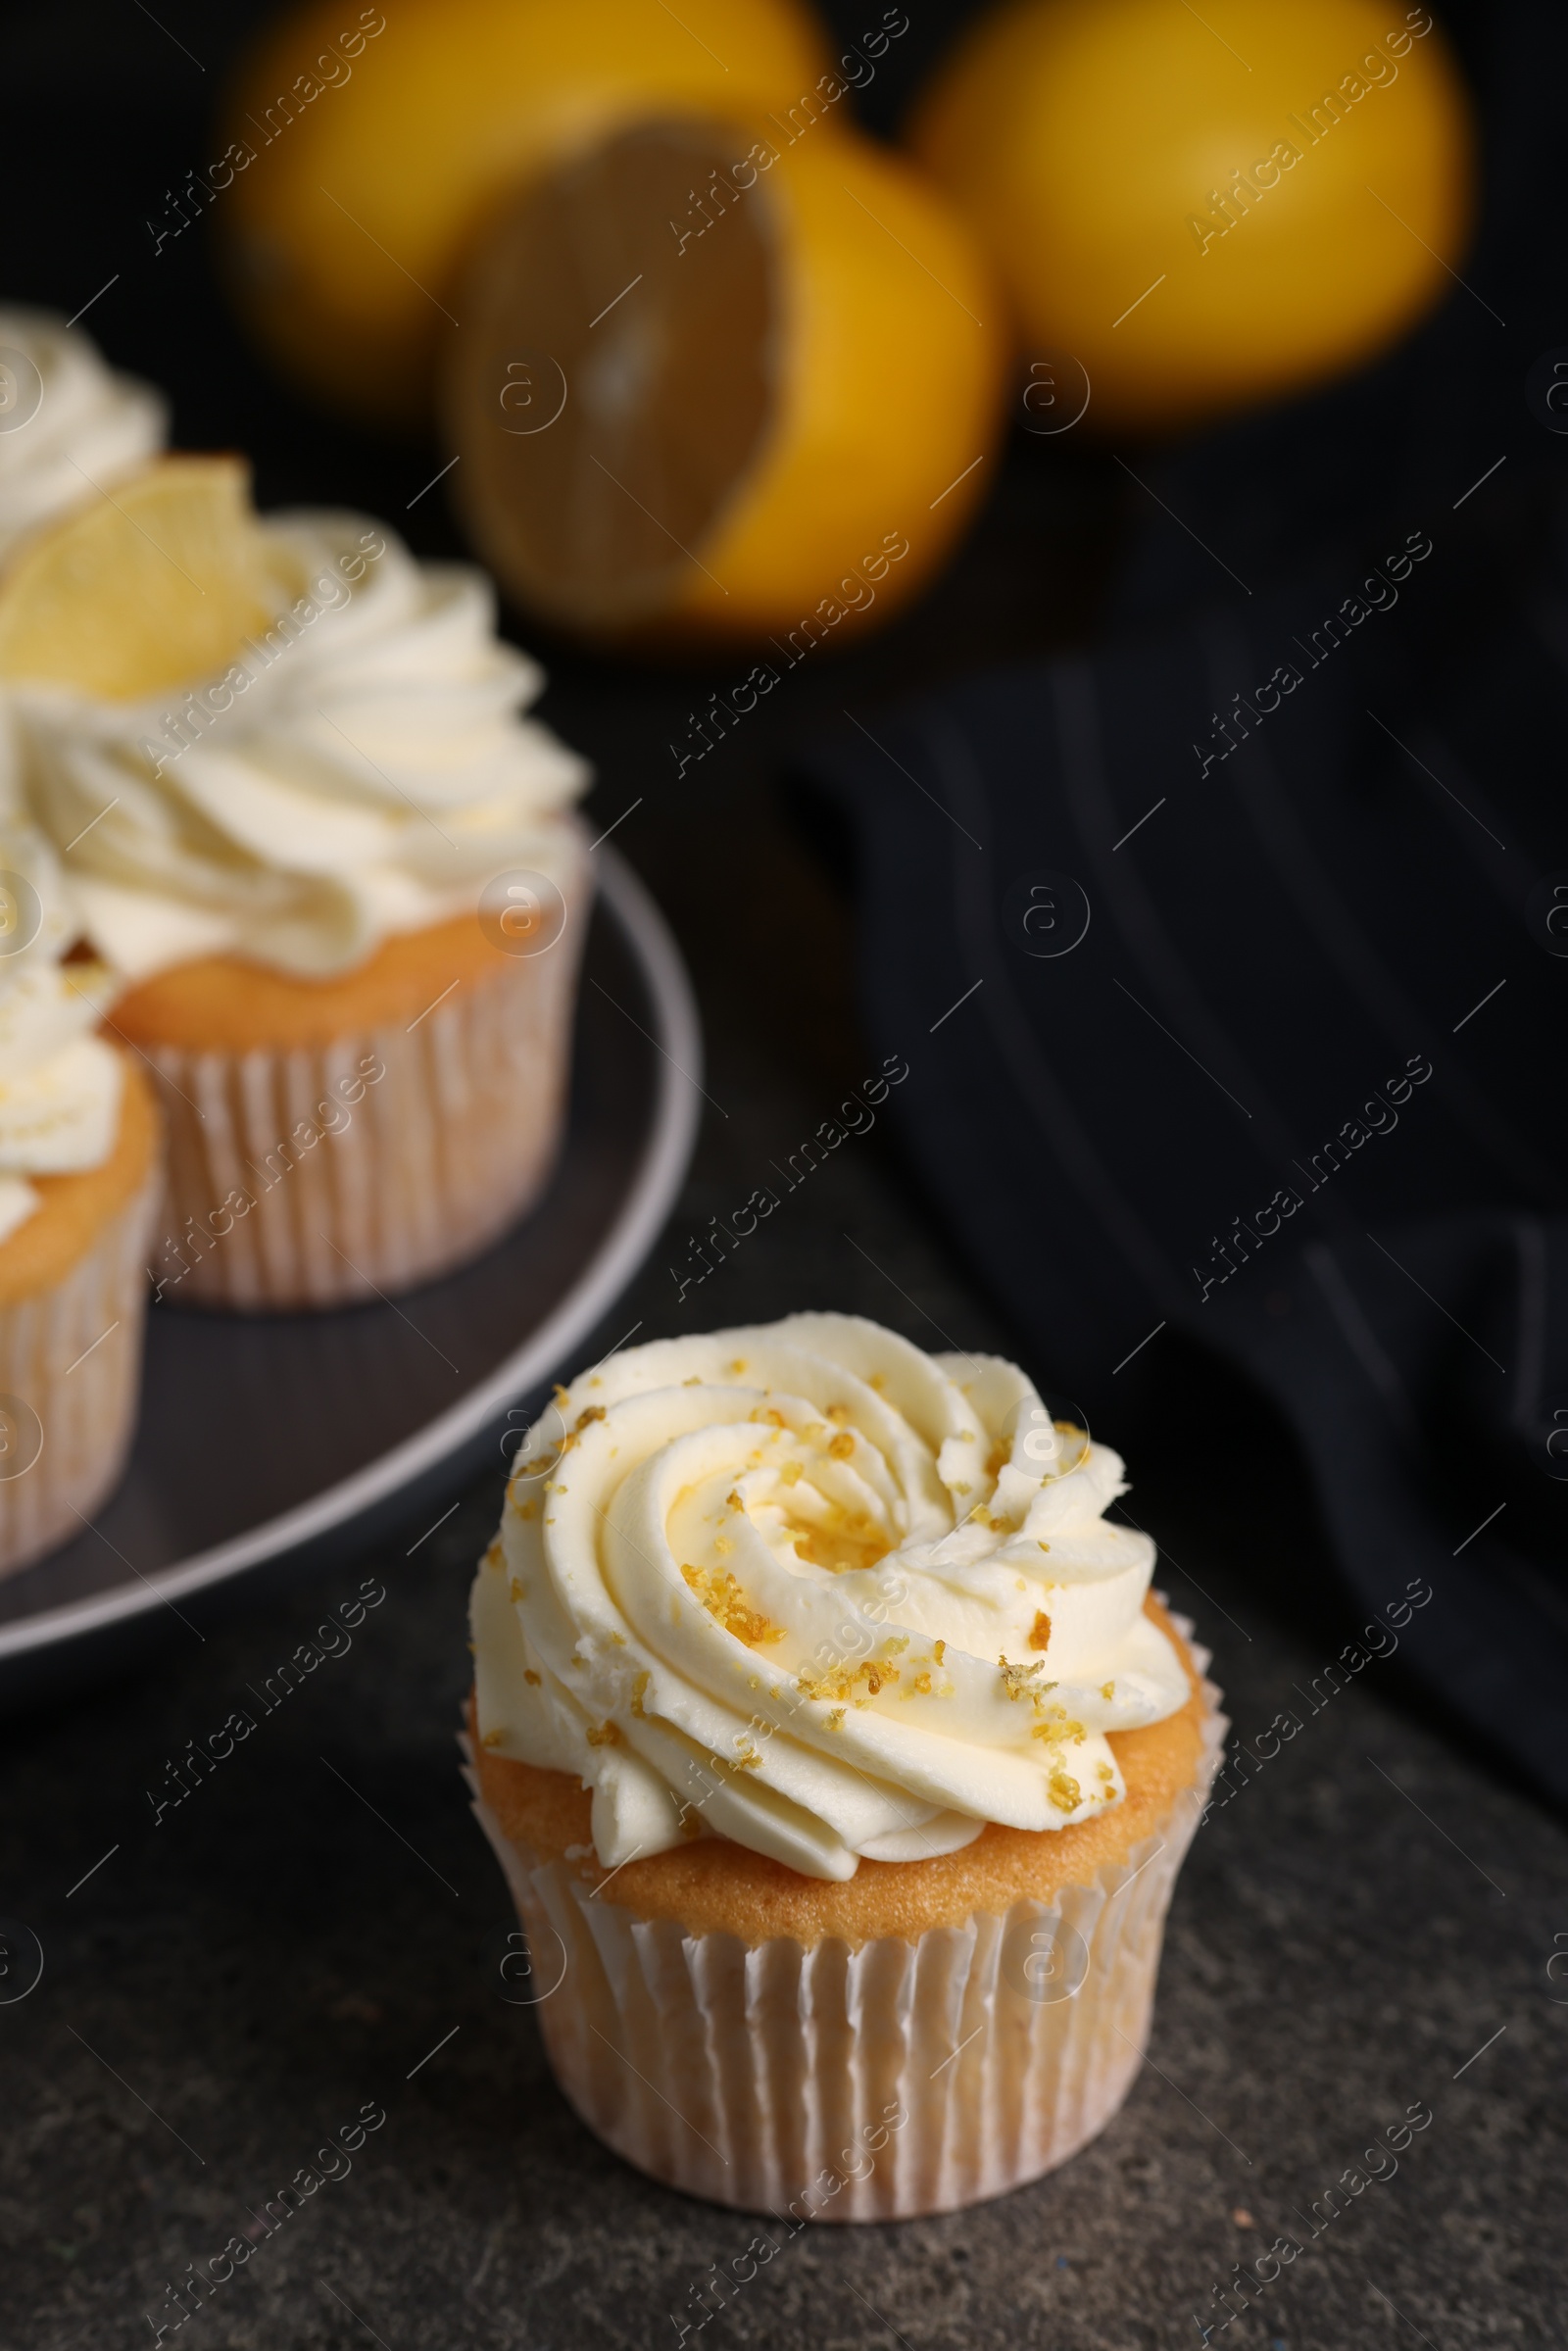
(1346, 1932)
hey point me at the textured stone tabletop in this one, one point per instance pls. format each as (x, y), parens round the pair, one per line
(1361, 1934)
(1363, 1938)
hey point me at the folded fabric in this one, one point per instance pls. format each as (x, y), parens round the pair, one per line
(1229, 966)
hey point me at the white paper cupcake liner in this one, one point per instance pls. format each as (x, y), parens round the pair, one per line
(869, 2082)
(69, 1377)
(432, 1159)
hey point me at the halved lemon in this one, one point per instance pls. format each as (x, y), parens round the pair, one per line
(718, 381)
(147, 585)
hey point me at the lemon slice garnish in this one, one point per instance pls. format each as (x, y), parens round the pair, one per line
(149, 583)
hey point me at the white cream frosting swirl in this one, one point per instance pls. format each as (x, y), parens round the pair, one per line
(60, 1085)
(361, 769)
(79, 423)
(807, 1588)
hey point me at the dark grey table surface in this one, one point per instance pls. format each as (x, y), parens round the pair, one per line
(1368, 1927)
(306, 1933)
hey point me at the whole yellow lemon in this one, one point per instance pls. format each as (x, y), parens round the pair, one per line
(366, 146)
(1208, 206)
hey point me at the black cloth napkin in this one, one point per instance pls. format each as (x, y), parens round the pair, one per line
(1230, 956)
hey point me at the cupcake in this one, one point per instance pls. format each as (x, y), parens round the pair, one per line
(69, 426)
(80, 1176)
(840, 1762)
(335, 868)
